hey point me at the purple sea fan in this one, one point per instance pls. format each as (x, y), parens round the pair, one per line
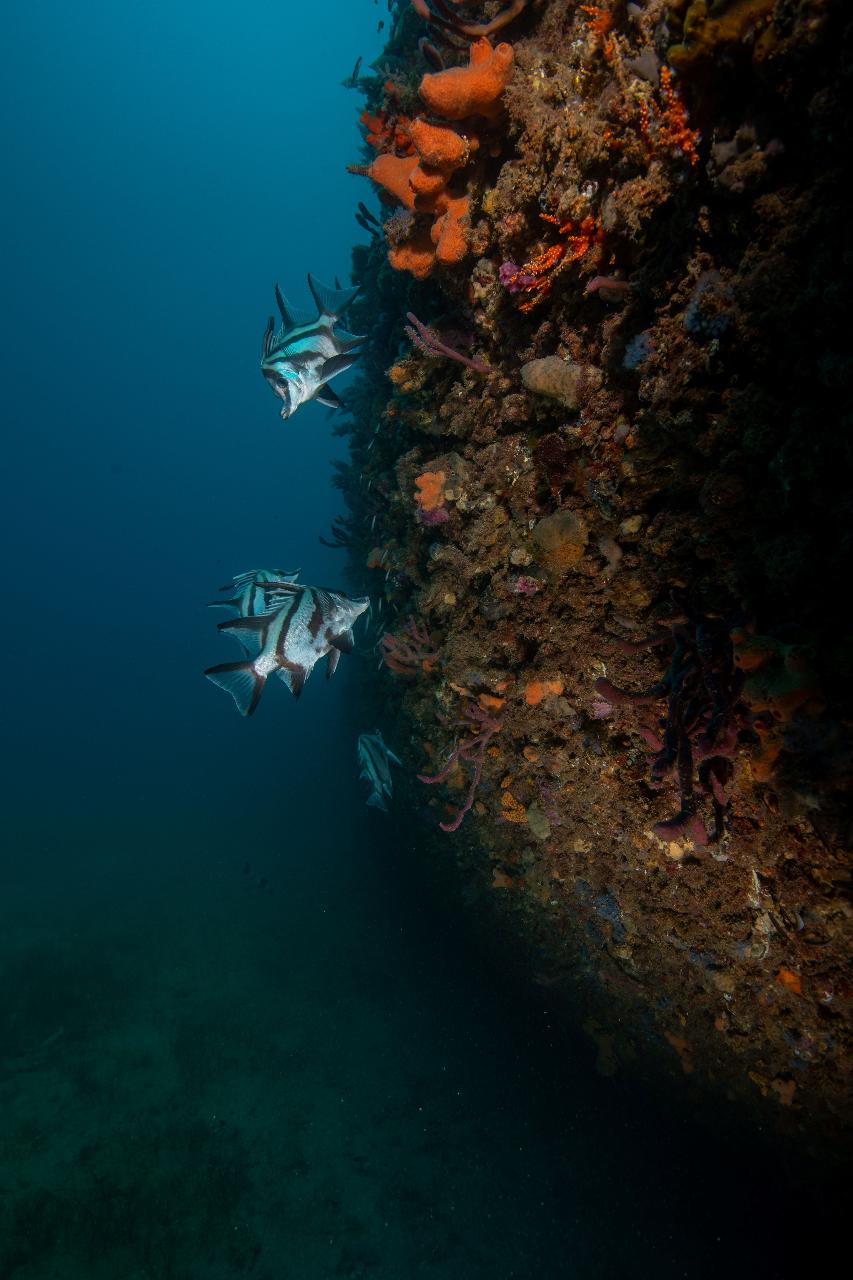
(426, 340)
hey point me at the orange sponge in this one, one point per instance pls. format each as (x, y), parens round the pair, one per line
(474, 90)
(415, 254)
(439, 146)
(449, 231)
(392, 173)
(430, 490)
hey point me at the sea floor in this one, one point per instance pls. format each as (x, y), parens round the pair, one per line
(203, 1076)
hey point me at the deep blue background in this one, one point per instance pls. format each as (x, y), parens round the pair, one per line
(164, 164)
(168, 162)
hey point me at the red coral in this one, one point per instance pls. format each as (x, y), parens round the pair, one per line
(537, 275)
(665, 127)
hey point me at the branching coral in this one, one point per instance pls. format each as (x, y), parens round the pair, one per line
(702, 687)
(472, 750)
(410, 652)
(665, 128)
(428, 341)
(437, 13)
(537, 276)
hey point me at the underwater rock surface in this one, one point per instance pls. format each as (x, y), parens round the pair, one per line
(612, 601)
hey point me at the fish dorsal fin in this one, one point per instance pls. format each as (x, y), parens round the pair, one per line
(291, 316)
(275, 600)
(331, 302)
(267, 342)
(265, 577)
(251, 632)
(348, 341)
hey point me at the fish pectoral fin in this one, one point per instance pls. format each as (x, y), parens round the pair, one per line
(224, 604)
(393, 758)
(325, 395)
(337, 364)
(331, 302)
(332, 662)
(240, 680)
(345, 642)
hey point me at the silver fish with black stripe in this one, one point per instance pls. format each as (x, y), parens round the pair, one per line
(254, 593)
(376, 758)
(301, 359)
(311, 623)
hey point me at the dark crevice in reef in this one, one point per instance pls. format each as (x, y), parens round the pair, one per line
(610, 531)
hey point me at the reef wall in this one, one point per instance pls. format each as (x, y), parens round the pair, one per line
(599, 492)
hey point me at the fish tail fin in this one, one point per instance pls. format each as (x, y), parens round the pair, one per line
(242, 681)
(375, 801)
(331, 302)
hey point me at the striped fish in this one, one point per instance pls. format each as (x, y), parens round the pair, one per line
(255, 592)
(376, 759)
(300, 360)
(311, 623)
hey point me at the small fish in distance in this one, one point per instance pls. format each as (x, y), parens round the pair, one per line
(250, 592)
(299, 361)
(376, 759)
(312, 623)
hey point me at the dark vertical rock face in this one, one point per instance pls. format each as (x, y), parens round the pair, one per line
(613, 540)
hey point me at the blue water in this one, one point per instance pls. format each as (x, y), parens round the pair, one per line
(238, 1035)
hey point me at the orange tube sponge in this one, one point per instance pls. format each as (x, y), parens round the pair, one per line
(426, 182)
(392, 173)
(440, 147)
(474, 90)
(415, 254)
(449, 231)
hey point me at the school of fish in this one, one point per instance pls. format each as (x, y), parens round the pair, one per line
(283, 626)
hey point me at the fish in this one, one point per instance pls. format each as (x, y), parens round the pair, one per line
(255, 592)
(313, 622)
(376, 758)
(300, 360)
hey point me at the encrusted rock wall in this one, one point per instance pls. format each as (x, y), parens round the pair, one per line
(600, 495)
